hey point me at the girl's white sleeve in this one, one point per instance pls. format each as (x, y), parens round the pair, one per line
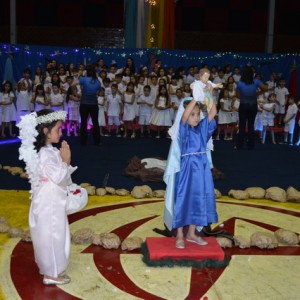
(54, 169)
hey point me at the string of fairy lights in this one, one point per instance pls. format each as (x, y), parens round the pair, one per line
(8, 49)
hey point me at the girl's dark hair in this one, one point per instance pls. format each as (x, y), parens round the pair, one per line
(130, 84)
(166, 94)
(7, 82)
(39, 87)
(91, 72)
(132, 67)
(247, 75)
(57, 81)
(70, 92)
(41, 137)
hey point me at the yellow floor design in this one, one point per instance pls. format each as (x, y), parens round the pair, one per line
(247, 276)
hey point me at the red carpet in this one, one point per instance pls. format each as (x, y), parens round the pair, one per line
(164, 247)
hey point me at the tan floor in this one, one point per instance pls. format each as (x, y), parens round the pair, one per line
(246, 277)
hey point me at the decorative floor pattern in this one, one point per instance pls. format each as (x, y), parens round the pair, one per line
(115, 274)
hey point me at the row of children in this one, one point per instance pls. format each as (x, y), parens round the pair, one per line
(126, 97)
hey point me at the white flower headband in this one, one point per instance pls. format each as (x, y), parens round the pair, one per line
(28, 134)
(54, 116)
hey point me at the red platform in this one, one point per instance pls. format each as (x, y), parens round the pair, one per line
(164, 247)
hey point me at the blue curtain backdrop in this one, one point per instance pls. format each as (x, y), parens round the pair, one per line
(28, 56)
(130, 13)
(9, 71)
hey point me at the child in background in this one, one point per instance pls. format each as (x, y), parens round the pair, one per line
(139, 88)
(107, 87)
(234, 115)
(162, 74)
(145, 103)
(119, 82)
(298, 142)
(73, 101)
(126, 76)
(187, 92)
(213, 73)
(289, 121)
(40, 100)
(129, 110)
(114, 108)
(173, 87)
(139, 91)
(62, 74)
(268, 117)
(179, 73)
(39, 76)
(56, 98)
(154, 86)
(161, 115)
(8, 108)
(23, 102)
(176, 102)
(224, 117)
(64, 89)
(26, 79)
(236, 74)
(145, 74)
(281, 93)
(113, 71)
(190, 199)
(102, 76)
(49, 172)
(271, 83)
(258, 125)
(101, 114)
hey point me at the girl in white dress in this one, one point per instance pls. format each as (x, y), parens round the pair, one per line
(173, 87)
(101, 114)
(73, 101)
(176, 102)
(23, 100)
(224, 116)
(56, 98)
(268, 117)
(129, 110)
(258, 126)
(234, 112)
(39, 76)
(161, 114)
(9, 112)
(40, 100)
(52, 192)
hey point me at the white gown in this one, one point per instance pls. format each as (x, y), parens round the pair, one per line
(48, 215)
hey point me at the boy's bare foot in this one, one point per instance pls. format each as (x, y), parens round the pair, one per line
(196, 239)
(180, 244)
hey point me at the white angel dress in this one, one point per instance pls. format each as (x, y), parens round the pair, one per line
(49, 208)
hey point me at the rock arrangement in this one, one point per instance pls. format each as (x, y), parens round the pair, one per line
(273, 193)
(107, 240)
(262, 240)
(145, 191)
(15, 171)
(14, 232)
(138, 192)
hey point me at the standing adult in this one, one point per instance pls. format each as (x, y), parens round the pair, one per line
(89, 105)
(247, 93)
